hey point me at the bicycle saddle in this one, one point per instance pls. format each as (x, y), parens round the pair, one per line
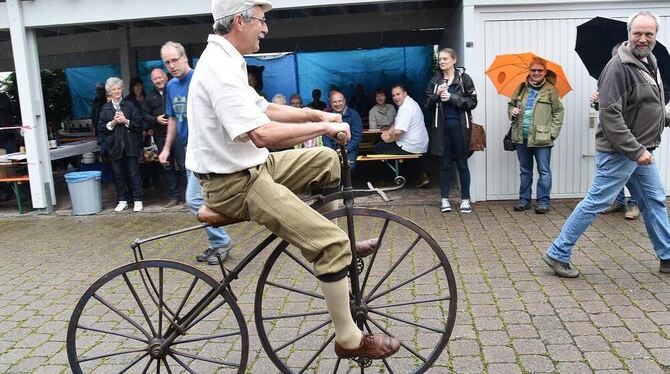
(214, 218)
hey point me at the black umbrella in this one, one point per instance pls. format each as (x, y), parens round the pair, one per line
(597, 37)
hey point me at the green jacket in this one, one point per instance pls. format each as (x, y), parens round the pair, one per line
(547, 117)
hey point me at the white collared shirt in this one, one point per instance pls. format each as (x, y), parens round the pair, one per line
(221, 109)
(414, 138)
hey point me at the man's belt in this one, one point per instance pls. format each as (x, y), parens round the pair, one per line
(206, 176)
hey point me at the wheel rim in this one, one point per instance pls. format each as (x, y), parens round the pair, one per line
(408, 289)
(117, 326)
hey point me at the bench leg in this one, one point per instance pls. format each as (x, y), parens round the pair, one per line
(393, 166)
(17, 194)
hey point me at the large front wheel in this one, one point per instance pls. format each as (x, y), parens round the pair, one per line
(407, 288)
(123, 321)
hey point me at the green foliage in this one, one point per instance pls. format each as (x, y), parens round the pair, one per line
(57, 101)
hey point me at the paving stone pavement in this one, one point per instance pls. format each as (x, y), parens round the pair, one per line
(513, 315)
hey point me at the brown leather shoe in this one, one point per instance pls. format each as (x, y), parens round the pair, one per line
(373, 346)
(365, 248)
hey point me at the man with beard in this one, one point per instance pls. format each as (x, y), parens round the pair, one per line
(632, 117)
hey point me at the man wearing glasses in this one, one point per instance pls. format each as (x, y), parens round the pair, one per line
(230, 127)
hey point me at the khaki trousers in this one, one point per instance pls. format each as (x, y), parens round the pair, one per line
(265, 194)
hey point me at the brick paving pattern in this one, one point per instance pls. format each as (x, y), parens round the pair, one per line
(513, 315)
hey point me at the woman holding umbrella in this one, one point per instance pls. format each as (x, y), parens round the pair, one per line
(536, 112)
(451, 97)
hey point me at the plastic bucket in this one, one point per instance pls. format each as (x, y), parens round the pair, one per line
(85, 194)
(88, 158)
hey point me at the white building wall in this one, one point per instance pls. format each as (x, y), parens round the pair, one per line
(550, 31)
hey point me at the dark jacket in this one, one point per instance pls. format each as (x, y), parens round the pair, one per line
(547, 117)
(465, 99)
(632, 111)
(122, 140)
(351, 117)
(154, 106)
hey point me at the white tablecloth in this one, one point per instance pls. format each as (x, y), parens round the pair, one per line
(63, 151)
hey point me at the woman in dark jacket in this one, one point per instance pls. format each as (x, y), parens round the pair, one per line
(121, 124)
(451, 97)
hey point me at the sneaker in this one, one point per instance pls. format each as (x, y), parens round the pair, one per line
(137, 207)
(521, 206)
(542, 209)
(444, 205)
(632, 211)
(466, 207)
(222, 252)
(616, 207)
(207, 253)
(664, 267)
(423, 181)
(122, 205)
(562, 269)
(171, 203)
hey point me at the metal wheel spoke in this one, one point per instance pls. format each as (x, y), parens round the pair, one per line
(205, 315)
(122, 315)
(182, 364)
(403, 283)
(409, 303)
(206, 359)
(135, 361)
(139, 303)
(84, 327)
(112, 355)
(318, 352)
(157, 303)
(160, 301)
(374, 255)
(288, 288)
(146, 368)
(385, 361)
(407, 322)
(217, 336)
(395, 265)
(186, 297)
(317, 313)
(299, 261)
(403, 344)
(167, 367)
(337, 365)
(302, 336)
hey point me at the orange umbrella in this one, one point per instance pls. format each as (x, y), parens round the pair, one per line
(508, 71)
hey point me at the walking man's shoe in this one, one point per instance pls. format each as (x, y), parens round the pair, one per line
(222, 252)
(211, 252)
(632, 211)
(616, 207)
(521, 206)
(664, 267)
(423, 181)
(373, 346)
(562, 269)
(171, 203)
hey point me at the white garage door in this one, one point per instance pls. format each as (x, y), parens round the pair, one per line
(572, 157)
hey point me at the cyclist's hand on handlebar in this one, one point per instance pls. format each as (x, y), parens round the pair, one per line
(334, 128)
(330, 117)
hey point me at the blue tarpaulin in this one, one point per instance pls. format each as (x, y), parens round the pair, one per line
(293, 72)
(82, 81)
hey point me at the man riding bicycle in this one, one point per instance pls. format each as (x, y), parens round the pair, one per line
(230, 126)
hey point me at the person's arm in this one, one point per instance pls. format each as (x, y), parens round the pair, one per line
(556, 114)
(286, 113)
(432, 93)
(104, 121)
(356, 126)
(282, 135)
(391, 135)
(135, 122)
(514, 104)
(466, 100)
(169, 139)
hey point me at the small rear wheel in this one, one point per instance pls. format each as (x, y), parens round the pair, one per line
(120, 324)
(408, 290)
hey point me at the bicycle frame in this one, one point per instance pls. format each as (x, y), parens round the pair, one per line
(179, 326)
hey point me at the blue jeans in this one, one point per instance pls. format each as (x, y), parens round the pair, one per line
(612, 172)
(621, 199)
(542, 157)
(217, 235)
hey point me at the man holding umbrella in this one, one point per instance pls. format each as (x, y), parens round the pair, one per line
(632, 117)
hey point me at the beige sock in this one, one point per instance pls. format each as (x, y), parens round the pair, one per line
(337, 301)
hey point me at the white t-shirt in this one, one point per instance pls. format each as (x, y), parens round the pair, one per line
(221, 109)
(414, 139)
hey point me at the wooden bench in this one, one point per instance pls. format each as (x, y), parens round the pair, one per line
(16, 181)
(392, 161)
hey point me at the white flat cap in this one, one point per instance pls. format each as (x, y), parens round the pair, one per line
(224, 8)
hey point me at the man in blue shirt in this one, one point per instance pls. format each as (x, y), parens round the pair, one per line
(339, 105)
(175, 60)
